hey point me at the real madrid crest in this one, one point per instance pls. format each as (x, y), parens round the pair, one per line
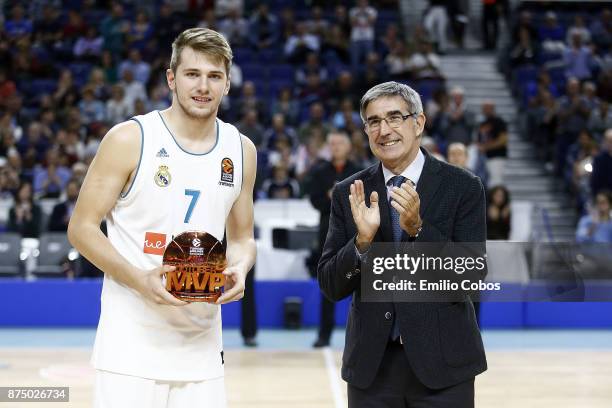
(163, 177)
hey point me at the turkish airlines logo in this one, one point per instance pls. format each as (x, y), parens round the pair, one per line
(154, 243)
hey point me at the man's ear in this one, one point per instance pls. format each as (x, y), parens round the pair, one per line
(227, 85)
(170, 78)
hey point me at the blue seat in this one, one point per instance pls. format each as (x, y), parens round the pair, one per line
(253, 72)
(282, 72)
(38, 87)
(243, 56)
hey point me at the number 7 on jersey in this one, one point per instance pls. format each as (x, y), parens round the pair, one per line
(195, 194)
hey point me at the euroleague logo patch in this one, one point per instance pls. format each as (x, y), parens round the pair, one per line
(227, 172)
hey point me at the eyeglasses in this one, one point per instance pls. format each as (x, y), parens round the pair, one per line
(394, 121)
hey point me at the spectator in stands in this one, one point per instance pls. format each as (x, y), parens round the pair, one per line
(92, 109)
(47, 27)
(347, 118)
(317, 24)
(310, 153)
(66, 89)
(436, 23)
(35, 141)
(286, 105)
(51, 179)
(97, 81)
(373, 73)
(234, 27)
(133, 89)
(314, 90)
(579, 28)
(109, 67)
(491, 11)
(25, 216)
(141, 69)
(74, 28)
(279, 130)
(320, 183)
(140, 31)
(493, 141)
(585, 146)
(58, 221)
(336, 45)
(589, 96)
(601, 30)
(118, 107)
(525, 21)
(600, 120)
(363, 20)
(89, 46)
(316, 120)
(250, 101)
(341, 18)
(312, 66)
(167, 24)
(7, 85)
(597, 226)
(360, 151)
(398, 62)
(498, 213)
(286, 23)
(551, 34)
(225, 7)
(115, 29)
(18, 25)
(251, 128)
(264, 28)
(280, 185)
(525, 51)
(343, 88)
(424, 63)
(70, 146)
(458, 155)
(460, 121)
(208, 20)
(390, 39)
(578, 59)
(572, 116)
(602, 166)
(301, 43)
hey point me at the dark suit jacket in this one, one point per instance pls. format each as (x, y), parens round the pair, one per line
(441, 340)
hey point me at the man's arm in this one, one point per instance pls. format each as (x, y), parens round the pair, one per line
(338, 271)
(241, 248)
(109, 173)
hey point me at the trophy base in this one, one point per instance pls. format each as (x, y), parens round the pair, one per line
(197, 297)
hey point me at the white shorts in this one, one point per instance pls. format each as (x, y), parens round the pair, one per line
(112, 390)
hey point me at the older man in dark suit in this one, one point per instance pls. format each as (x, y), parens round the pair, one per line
(403, 354)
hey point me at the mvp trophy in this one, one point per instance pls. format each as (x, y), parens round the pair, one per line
(199, 260)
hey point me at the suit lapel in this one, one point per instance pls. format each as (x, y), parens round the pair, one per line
(376, 182)
(428, 182)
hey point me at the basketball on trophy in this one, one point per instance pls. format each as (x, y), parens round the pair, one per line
(199, 259)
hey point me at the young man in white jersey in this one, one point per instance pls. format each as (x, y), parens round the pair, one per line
(155, 176)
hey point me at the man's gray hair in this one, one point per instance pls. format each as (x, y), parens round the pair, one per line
(390, 89)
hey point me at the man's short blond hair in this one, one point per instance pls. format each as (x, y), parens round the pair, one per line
(204, 40)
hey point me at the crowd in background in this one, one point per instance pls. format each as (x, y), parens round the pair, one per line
(70, 72)
(561, 70)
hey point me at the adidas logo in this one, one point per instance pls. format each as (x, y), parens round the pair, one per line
(162, 153)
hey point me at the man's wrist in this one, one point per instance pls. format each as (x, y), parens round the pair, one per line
(363, 243)
(416, 229)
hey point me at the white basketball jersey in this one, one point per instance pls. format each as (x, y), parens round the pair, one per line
(173, 191)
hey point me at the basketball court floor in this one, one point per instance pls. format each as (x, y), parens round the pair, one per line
(527, 369)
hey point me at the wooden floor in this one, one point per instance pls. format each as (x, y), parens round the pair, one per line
(258, 379)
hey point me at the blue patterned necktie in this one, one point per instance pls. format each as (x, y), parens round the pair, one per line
(396, 181)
